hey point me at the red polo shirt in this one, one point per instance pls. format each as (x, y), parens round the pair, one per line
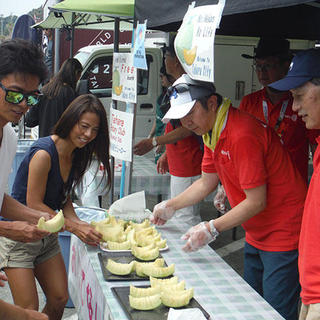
(292, 129)
(249, 154)
(309, 245)
(184, 156)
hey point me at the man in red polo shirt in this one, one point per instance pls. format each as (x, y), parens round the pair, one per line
(271, 61)
(264, 188)
(303, 80)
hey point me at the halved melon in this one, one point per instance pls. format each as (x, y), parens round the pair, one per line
(159, 272)
(145, 303)
(120, 269)
(144, 253)
(140, 266)
(177, 299)
(144, 292)
(163, 282)
(119, 245)
(161, 244)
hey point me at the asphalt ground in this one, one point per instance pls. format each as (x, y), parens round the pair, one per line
(230, 249)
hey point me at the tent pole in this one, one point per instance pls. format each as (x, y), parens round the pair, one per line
(116, 35)
(56, 50)
(72, 36)
(114, 102)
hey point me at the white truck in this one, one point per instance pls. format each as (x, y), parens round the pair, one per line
(234, 75)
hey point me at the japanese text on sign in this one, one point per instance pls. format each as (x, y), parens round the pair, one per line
(194, 43)
(124, 78)
(121, 126)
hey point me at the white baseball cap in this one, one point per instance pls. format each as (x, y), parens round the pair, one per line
(183, 95)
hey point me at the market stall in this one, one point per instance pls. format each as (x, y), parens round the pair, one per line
(217, 287)
(296, 19)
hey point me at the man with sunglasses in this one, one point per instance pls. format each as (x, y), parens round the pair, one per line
(21, 71)
(264, 189)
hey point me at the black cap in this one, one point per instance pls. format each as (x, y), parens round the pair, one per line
(268, 47)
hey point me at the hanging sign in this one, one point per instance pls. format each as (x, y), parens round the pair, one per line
(139, 52)
(124, 78)
(121, 128)
(194, 43)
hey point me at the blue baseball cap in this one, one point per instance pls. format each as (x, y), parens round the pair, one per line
(304, 67)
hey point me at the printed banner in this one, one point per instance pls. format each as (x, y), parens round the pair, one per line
(139, 52)
(194, 43)
(124, 78)
(121, 130)
(84, 288)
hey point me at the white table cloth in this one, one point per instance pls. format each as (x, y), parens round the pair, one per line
(218, 288)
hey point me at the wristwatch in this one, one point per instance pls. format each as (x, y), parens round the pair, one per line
(154, 142)
(214, 232)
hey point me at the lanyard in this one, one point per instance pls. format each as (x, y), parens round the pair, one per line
(281, 116)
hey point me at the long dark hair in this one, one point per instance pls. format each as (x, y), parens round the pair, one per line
(68, 74)
(97, 148)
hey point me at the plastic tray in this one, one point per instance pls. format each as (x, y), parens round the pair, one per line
(160, 313)
(122, 257)
(104, 247)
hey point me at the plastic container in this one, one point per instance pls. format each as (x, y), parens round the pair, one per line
(89, 214)
(64, 240)
(22, 146)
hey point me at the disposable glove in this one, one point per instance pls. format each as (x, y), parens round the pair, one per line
(162, 213)
(199, 235)
(220, 200)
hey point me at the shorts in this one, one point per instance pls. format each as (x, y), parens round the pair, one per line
(16, 254)
(310, 312)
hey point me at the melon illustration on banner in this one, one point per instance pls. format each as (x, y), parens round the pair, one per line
(183, 43)
(116, 87)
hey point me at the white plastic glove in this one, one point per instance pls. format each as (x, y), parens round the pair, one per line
(220, 200)
(199, 235)
(161, 213)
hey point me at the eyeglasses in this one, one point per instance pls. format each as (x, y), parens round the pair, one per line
(264, 66)
(16, 97)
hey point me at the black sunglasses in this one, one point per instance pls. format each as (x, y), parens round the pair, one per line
(16, 97)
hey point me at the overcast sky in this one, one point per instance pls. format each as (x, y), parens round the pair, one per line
(18, 7)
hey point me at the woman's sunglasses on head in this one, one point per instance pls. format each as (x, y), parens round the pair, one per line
(16, 97)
